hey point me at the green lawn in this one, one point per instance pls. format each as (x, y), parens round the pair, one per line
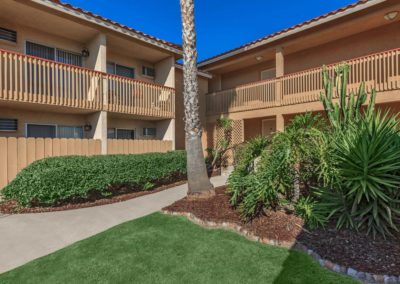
(165, 249)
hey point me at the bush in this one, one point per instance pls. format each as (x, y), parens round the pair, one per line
(367, 159)
(287, 163)
(52, 181)
(306, 208)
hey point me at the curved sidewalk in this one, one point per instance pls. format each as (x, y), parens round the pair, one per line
(29, 236)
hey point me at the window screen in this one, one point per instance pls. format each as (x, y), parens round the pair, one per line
(111, 133)
(41, 131)
(39, 50)
(124, 71)
(125, 134)
(148, 71)
(149, 132)
(69, 58)
(8, 35)
(70, 132)
(7, 124)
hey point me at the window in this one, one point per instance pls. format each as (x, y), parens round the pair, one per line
(120, 70)
(41, 131)
(39, 50)
(125, 134)
(111, 133)
(51, 53)
(7, 124)
(8, 35)
(149, 132)
(69, 58)
(148, 71)
(268, 74)
(70, 132)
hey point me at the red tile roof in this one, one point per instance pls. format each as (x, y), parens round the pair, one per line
(358, 3)
(88, 13)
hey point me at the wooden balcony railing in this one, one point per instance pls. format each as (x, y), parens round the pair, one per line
(34, 80)
(380, 71)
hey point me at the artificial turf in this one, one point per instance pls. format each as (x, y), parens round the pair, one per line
(165, 249)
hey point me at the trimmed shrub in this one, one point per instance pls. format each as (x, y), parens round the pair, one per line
(51, 181)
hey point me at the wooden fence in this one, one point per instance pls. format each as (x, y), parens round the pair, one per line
(137, 146)
(17, 153)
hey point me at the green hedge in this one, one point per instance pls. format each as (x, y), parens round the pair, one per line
(52, 181)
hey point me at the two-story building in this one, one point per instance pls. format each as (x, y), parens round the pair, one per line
(67, 73)
(263, 84)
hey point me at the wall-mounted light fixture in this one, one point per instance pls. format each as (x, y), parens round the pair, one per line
(87, 127)
(391, 15)
(259, 58)
(85, 52)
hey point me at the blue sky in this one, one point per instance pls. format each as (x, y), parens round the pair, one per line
(221, 24)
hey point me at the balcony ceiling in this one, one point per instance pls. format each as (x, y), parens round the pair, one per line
(351, 25)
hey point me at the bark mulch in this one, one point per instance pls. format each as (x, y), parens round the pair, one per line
(12, 207)
(345, 247)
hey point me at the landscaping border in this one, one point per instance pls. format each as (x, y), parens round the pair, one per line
(359, 275)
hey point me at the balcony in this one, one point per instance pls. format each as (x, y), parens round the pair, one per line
(27, 79)
(380, 71)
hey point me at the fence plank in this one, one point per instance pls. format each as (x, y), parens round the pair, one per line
(12, 158)
(22, 157)
(3, 162)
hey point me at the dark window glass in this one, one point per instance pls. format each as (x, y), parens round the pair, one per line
(148, 71)
(41, 131)
(111, 133)
(69, 58)
(8, 35)
(149, 132)
(70, 132)
(7, 124)
(124, 71)
(125, 134)
(39, 50)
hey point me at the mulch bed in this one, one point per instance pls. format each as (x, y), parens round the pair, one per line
(12, 207)
(345, 247)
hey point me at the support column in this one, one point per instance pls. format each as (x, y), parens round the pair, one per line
(97, 61)
(165, 75)
(98, 121)
(280, 71)
(280, 123)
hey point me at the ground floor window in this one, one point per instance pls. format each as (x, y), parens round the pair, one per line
(117, 133)
(41, 131)
(70, 132)
(149, 131)
(54, 131)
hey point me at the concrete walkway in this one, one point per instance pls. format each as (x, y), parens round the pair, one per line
(29, 236)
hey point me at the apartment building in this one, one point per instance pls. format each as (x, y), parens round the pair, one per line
(67, 73)
(263, 84)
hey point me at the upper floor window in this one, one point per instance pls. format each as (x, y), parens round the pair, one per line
(8, 35)
(120, 70)
(51, 53)
(148, 71)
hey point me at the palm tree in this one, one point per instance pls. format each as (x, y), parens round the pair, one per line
(198, 181)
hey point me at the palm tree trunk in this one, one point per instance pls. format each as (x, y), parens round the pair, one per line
(198, 181)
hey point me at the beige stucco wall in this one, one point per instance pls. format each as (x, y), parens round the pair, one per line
(41, 117)
(180, 114)
(132, 124)
(376, 40)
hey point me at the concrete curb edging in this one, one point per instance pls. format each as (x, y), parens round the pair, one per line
(361, 276)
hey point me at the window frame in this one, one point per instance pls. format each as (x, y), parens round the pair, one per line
(145, 67)
(9, 41)
(41, 124)
(124, 66)
(15, 119)
(116, 133)
(55, 49)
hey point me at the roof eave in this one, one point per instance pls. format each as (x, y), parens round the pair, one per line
(108, 25)
(291, 32)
